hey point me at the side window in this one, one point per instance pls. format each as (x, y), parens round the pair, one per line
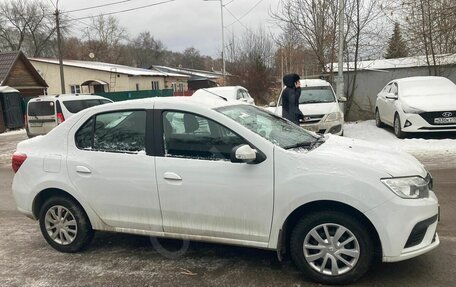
(387, 88)
(239, 95)
(188, 135)
(394, 89)
(123, 131)
(245, 94)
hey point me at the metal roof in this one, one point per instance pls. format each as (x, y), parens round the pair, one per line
(108, 67)
(195, 74)
(386, 64)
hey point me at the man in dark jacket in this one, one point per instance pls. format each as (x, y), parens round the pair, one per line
(290, 98)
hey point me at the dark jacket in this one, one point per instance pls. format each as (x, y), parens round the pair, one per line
(290, 99)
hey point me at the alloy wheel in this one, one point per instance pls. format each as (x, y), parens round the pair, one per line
(331, 249)
(61, 225)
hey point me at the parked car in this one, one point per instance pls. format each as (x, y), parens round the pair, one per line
(226, 173)
(417, 104)
(46, 112)
(230, 93)
(320, 106)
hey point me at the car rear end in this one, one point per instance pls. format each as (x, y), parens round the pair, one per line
(41, 116)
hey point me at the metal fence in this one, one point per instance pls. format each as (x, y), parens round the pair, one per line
(132, 95)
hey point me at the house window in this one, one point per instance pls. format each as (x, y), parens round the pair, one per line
(174, 86)
(181, 87)
(155, 85)
(75, 89)
(137, 86)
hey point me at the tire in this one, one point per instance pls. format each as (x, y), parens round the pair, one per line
(76, 234)
(378, 121)
(397, 126)
(306, 258)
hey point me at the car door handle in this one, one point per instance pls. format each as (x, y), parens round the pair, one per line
(82, 169)
(171, 176)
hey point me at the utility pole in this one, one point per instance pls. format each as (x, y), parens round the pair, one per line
(340, 66)
(223, 41)
(59, 47)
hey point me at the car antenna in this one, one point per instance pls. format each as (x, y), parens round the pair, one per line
(223, 98)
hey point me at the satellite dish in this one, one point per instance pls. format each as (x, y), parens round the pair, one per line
(91, 55)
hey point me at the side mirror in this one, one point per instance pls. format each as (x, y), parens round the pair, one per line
(391, 96)
(243, 153)
(272, 104)
(342, 99)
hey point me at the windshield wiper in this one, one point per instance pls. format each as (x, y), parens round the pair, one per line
(301, 144)
(223, 98)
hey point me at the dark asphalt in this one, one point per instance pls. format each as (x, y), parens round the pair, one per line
(127, 260)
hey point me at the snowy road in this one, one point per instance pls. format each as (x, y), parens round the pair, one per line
(8, 142)
(436, 151)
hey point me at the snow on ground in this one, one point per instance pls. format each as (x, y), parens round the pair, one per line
(13, 132)
(434, 150)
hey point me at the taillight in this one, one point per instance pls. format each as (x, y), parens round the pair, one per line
(60, 118)
(25, 120)
(17, 160)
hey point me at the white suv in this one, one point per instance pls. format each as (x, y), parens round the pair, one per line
(320, 107)
(46, 112)
(226, 173)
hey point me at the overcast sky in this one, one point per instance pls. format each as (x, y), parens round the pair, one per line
(182, 23)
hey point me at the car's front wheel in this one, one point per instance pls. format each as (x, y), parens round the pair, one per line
(331, 247)
(65, 225)
(398, 127)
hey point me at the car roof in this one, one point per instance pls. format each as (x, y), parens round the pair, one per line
(314, 83)
(175, 102)
(418, 79)
(225, 88)
(66, 97)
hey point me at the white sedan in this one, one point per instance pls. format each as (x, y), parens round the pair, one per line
(228, 93)
(226, 173)
(417, 104)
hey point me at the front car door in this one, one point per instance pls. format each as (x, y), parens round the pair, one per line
(108, 164)
(204, 194)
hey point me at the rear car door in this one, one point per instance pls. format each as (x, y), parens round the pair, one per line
(108, 162)
(381, 101)
(390, 104)
(202, 192)
(41, 116)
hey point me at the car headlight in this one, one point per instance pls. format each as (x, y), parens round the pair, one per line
(333, 117)
(410, 110)
(408, 187)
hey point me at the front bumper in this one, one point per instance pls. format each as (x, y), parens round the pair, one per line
(419, 125)
(333, 127)
(396, 222)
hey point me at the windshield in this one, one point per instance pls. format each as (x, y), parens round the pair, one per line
(271, 127)
(311, 95)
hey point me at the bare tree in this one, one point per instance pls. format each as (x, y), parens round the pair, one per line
(105, 39)
(27, 26)
(146, 50)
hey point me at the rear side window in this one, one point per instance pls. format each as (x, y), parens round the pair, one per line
(75, 106)
(45, 108)
(123, 131)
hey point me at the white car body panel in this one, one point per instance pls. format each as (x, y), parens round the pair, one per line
(231, 93)
(220, 201)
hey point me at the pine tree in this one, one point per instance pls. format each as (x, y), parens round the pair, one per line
(397, 48)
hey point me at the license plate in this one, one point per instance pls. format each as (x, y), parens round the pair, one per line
(36, 124)
(445, 120)
(310, 128)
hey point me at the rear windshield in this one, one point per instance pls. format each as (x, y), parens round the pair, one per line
(45, 108)
(79, 105)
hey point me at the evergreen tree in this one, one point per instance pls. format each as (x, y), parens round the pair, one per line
(397, 48)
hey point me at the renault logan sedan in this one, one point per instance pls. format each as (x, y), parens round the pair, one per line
(226, 173)
(417, 104)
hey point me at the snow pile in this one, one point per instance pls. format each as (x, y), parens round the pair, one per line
(13, 132)
(430, 149)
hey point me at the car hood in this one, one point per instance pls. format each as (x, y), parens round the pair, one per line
(319, 109)
(434, 103)
(391, 161)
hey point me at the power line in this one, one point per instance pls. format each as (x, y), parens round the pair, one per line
(245, 14)
(237, 19)
(53, 4)
(97, 6)
(125, 10)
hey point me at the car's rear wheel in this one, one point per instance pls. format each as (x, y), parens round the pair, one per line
(398, 127)
(65, 225)
(331, 247)
(378, 121)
